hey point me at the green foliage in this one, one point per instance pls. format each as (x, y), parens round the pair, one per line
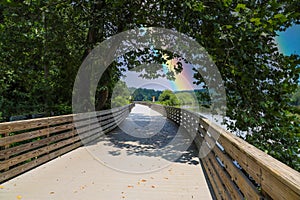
(121, 95)
(37, 68)
(144, 94)
(43, 43)
(168, 98)
(119, 101)
(296, 97)
(186, 98)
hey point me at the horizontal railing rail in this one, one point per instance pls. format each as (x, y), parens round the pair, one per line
(235, 168)
(29, 143)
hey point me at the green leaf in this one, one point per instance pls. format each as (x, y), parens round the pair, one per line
(188, 4)
(239, 7)
(198, 6)
(228, 26)
(227, 2)
(281, 17)
(256, 21)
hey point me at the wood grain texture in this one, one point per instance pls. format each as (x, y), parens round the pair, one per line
(23, 168)
(29, 143)
(35, 144)
(221, 189)
(276, 179)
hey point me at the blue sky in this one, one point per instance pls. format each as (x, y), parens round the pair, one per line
(289, 41)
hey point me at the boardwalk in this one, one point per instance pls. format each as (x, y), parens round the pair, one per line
(131, 162)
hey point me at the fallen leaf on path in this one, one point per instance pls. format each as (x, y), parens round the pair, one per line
(51, 192)
(19, 197)
(130, 186)
(1, 186)
(143, 180)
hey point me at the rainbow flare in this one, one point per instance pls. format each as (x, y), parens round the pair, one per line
(182, 80)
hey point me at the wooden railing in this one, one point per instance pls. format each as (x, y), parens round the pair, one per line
(235, 168)
(29, 143)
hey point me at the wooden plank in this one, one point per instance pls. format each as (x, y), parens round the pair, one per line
(88, 134)
(216, 178)
(43, 123)
(102, 121)
(211, 180)
(267, 171)
(96, 126)
(115, 118)
(33, 145)
(213, 133)
(245, 185)
(203, 123)
(113, 123)
(35, 153)
(210, 140)
(59, 128)
(7, 156)
(23, 136)
(111, 115)
(8, 127)
(276, 179)
(226, 180)
(198, 141)
(275, 188)
(99, 130)
(60, 119)
(33, 134)
(103, 118)
(91, 136)
(40, 122)
(114, 110)
(27, 166)
(124, 110)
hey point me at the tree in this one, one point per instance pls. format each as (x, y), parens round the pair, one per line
(37, 66)
(168, 98)
(296, 97)
(144, 94)
(43, 44)
(186, 98)
(120, 96)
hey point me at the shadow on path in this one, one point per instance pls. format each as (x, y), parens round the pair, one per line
(168, 141)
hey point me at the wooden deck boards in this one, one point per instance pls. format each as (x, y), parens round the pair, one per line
(117, 167)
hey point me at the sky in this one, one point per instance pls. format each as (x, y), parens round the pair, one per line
(183, 80)
(288, 43)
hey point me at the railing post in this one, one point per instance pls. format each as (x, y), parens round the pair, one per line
(237, 169)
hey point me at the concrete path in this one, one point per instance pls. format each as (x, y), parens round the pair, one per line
(146, 158)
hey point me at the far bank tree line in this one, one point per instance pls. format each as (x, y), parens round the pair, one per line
(166, 97)
(122, 95)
